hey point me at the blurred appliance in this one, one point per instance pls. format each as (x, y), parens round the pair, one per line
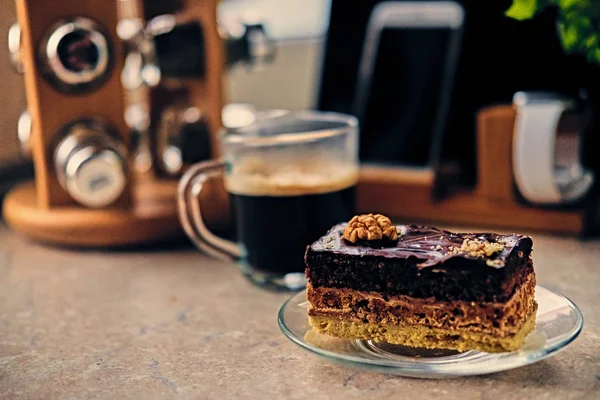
(122, 96)
(437, 124)
(547, 167)
(405, 78)
(290, 81)
(498, 58)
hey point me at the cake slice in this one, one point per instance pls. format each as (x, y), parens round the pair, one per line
(420, 286)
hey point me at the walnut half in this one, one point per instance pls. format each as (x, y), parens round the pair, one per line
(369, 227)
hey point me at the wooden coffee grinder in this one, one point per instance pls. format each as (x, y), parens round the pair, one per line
(81, 61)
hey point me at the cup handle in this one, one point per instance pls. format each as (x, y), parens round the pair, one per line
(190, 213)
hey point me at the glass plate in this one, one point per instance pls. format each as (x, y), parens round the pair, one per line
(558, 323)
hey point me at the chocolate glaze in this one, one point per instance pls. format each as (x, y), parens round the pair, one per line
(422, 243)
(414, 266)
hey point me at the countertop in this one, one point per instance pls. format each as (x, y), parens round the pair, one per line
(172, 323)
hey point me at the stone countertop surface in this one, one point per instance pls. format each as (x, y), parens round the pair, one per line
(172, 323)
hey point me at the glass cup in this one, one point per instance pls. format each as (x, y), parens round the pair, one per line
(290, 178)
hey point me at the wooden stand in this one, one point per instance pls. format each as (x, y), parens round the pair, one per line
(408, 195)
(152, 217)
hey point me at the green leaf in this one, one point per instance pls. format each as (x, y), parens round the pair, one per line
(591, 42)
(569, 36)
(522, 9)
(566, 4)
(595, 56)
(578, 23)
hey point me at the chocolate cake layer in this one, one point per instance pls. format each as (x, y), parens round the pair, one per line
(497, 319)
(424, 263)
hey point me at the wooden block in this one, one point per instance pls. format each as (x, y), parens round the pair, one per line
(495, 127)
(407, 197)
(50, 108)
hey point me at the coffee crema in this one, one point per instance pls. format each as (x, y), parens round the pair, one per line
(291, 181)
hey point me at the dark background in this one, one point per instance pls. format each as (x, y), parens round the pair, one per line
(499, 56)
(405, 96)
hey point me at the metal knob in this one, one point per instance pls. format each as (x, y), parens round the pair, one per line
(75, 54)
(141, 66)
(90, 164)
(137, 118)
(167, 46)
(24, 133)
(248, 43)
(179, 47)
(14, 47)
(182, 137)
(171, 46)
